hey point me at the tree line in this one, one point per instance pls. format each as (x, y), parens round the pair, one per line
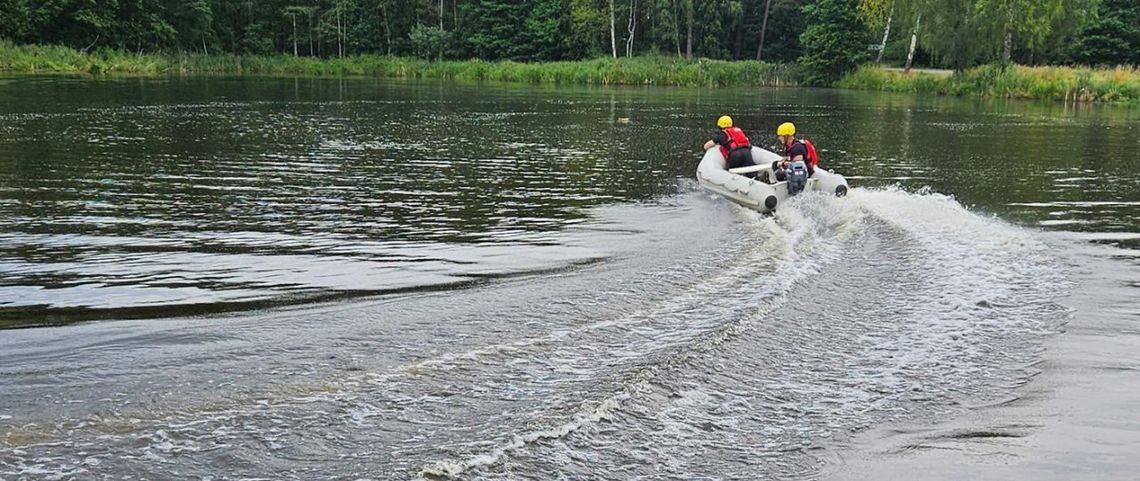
(524, 30)
(827, 35)
(963, 33)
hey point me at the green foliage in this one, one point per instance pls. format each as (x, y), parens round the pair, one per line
(430, 42)
(954, 33)
(495, 30)
(191, 23)
(647, 70)
(547, 27)
(1113, 38)
(874, 13)
(588, 26)
(822, 34)
(710, 32)
(964, 33)
(834, 42)
(256, 39)
(487, 29)
(664, 29)
(14, 21)
(786, 23)
(1006, 81)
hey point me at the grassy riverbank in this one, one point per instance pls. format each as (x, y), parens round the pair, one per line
(1121, 84)
(646, 70)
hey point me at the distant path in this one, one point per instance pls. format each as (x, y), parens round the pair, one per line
(931, 71)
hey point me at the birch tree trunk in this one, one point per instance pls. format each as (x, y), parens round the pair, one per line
(1007, 47)
(613, 31)
(886, 33)
(913, 44)
(1007, 39)
(387, 30)
(631, 26)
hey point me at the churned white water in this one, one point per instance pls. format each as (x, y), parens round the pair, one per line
(708, 339)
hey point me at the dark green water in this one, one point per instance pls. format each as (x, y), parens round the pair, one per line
(306, 278)
(236, 193)
(152, 197)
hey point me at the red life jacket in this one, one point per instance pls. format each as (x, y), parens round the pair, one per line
(736, 140)
(812, 156)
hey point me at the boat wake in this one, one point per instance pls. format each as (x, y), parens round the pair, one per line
(833, 315)
(711, 339)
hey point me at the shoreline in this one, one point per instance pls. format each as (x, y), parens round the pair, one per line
(643, 70)
(1066, 84)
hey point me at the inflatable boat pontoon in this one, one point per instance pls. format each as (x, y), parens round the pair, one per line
(713, 175)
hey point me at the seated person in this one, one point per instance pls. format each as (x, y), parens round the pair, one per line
(794, 150)
(734, 145)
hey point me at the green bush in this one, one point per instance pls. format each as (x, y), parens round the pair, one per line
(1121, 84)
(430, 42)
(834, 43)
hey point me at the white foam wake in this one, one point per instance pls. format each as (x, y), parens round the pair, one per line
(586, 416)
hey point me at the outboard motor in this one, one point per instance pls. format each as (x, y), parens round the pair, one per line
(797, 177)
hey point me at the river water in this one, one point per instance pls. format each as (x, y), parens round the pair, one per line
(301, 278)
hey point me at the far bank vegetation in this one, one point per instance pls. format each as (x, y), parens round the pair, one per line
(1068, 49)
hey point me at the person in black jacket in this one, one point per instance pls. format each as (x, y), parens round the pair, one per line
(794, 150)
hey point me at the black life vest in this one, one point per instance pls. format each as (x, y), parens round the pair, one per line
(812, 157)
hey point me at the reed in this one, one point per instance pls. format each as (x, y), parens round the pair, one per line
(1120, 84)
(1071, 84)
(643, 70)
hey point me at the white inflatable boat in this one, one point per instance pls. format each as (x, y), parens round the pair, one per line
(761, 196)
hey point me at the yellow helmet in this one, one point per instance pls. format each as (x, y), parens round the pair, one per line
(786, 128)
(724, 122)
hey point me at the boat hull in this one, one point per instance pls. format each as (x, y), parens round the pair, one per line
(713, 174)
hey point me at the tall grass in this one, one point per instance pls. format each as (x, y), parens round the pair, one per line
(1120, 84)
(645, 70)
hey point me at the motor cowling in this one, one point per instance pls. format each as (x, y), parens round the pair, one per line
(797, 177)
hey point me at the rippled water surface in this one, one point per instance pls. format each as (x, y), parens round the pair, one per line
(299, 278)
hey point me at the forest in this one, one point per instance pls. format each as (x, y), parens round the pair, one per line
(827, 34)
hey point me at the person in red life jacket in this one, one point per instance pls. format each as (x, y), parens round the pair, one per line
(794, 150)
(733, 144)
